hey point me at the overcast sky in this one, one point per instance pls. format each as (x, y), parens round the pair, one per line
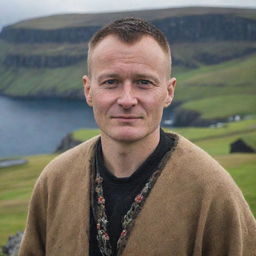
(12, 11)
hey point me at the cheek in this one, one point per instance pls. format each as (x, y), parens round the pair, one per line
(154, 108)
(98, 98)
(102, 102)
(155, 103)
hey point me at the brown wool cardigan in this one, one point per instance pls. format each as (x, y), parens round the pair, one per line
(194, 209)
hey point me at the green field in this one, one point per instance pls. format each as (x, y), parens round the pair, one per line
(15, 190)
(219, 90)
(17, 182)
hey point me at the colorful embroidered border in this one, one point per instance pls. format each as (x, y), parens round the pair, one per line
(129, 218)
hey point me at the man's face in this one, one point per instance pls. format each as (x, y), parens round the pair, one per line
(128, 87)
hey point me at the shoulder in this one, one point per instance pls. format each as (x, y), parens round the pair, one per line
(193, 166)
(193, 174)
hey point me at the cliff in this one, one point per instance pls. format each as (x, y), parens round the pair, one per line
(185, 25)
(189, 28)
(45, 57)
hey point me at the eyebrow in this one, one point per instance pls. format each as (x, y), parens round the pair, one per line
(108, 75)
(137, 76)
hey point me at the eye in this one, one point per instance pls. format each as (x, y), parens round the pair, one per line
(110, 83)
(144, 82)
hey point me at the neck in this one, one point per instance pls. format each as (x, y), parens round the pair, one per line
(123, 159)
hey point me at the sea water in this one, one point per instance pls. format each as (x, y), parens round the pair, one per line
(32, 126)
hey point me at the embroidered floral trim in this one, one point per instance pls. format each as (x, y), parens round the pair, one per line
(129, 218)
(132, 213)
(102, 235)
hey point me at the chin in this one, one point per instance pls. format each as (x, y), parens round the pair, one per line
(127, 134)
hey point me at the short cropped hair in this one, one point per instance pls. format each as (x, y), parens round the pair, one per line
(129, 30)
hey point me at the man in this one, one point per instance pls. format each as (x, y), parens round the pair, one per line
(135, 190)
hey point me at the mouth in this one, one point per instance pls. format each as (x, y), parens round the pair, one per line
(126, 118)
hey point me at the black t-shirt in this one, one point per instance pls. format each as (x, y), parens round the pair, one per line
(119, 193)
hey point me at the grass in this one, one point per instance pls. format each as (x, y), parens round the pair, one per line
(15, 190)
(219, 91)
(233, 77)
(221, 145)
(233, 104)
(227, 129)
(242, 168)
(83, 135)
(36, 81)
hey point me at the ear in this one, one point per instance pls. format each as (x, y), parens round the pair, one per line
(87, 90)
(170, 91)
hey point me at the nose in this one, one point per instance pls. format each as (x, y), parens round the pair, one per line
(127, 98)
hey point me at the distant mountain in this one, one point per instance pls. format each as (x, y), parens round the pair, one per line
(45, 57)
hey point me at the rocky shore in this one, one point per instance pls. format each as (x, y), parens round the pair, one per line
(66, 143)
(13, 245)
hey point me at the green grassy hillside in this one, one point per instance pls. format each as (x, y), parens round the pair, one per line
(17, 181)
(219, 90)
(16, 185)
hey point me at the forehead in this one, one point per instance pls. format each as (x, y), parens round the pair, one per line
(146, 51)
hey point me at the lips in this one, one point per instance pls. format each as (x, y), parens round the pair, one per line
(128, 117)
